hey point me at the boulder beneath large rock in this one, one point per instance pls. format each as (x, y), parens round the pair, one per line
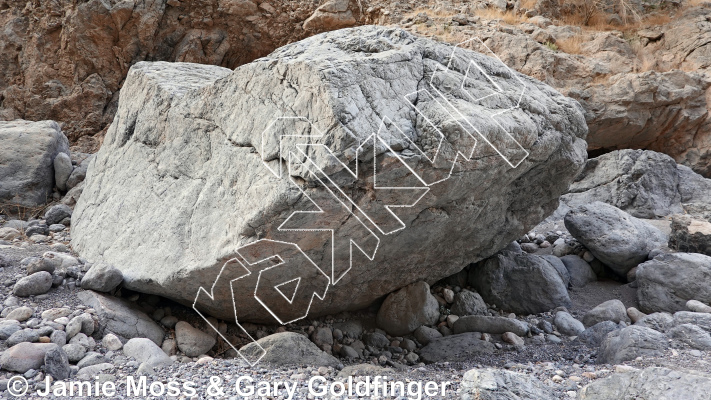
(650, 383)
(120, 318)
(670, 280)
(193, 173)
(519, 282)
(192, 341)
(408, 309)
(27, 160)
(288, 349)
(614, 237)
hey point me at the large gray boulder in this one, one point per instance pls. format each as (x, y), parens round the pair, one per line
(194, 169)
(614, 237)
(644, 183)
(27, 160)
(519, 282)
(668, 281)
(650, 383)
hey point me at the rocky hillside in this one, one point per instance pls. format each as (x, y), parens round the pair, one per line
(300, 203)
(639, 71)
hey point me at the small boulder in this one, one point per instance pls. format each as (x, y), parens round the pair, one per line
(595, 334)
(56, 363)
(102, 277)
(8, 327)
(28, 151)
(192, 341)
(695, 306)
(121, 318)
(425, 335)
(493, 325)
(57, 213)
(650, 383)
(146, 351)
(579, 270)
(567, 324)
(616, 238)
(454, 348)
(467, 302)
(322, 336)
(35, 284)
(500, 384)
(287, 349)
(631, 342)
(611, 310)
(634, 314)
(62, 169)
(512, 339)
(23, 357)
(20, 314)
(659, 321)
(519, 282)
(112, 342)
(376, 339)
(407, 309)
(75, 352)
(692, 335)
(703, 320)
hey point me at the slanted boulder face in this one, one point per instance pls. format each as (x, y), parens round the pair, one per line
(644, 183)
(196, 171)
(27, 160)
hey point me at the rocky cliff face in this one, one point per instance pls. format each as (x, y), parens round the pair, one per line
(67, 60)
(640, 88)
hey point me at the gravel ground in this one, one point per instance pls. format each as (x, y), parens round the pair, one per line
(565, 367)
